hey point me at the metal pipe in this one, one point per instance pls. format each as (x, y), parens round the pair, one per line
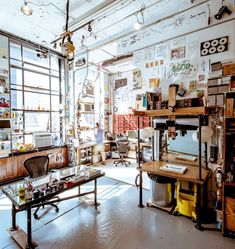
(200, 146)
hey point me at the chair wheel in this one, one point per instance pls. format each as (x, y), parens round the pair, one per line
(36, 216)
(57, 210)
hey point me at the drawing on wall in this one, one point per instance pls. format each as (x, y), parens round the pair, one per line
(180, 68)
(192, 85)
(154, 82)
(137, 79)
(4, 101)
(178, 53)
(4, 88)
(214, 46)
(162, 50)
(120, 83)
(4, 112)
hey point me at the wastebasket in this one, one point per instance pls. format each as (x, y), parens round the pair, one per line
(162, 190)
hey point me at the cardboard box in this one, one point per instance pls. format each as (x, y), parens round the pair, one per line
(223, 89)
(212, 90)
(220, 100)
(229, 107)
(229, 69)
(211, 101)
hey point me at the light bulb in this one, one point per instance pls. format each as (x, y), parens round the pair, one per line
(137, 26)
(25, 9)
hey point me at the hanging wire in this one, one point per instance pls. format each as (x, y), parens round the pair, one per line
(47, 4)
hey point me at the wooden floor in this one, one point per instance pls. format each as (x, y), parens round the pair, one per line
(117, 224)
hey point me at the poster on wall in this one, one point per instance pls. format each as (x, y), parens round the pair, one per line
(162, 50)
(137, 79)
(4, 101)
(120, 83)
(178, 53)
(179, 69)
(214, 46)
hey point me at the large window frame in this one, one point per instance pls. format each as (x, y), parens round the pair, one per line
(35, 78)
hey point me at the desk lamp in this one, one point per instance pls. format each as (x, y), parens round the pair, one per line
(146, 132)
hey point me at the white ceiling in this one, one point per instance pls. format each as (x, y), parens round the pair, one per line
(112, 18)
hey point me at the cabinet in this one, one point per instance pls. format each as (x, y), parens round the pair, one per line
(12, 167)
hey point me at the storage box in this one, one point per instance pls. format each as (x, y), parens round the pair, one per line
(230, 107)
(230, 213)
(229, 69)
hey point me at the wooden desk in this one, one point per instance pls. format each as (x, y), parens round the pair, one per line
(191, 175)
(89, 147)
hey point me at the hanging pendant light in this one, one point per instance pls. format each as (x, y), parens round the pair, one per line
(26, 10)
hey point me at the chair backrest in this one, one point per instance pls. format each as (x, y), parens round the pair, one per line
(37, 166)
(123, 146)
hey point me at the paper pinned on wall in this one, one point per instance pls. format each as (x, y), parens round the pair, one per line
(178, 42)
(192, 48)
(138, 57)
(162, 50)
(137, 79)
(149, 53)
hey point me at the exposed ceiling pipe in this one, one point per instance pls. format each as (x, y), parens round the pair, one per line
(87, 18)
(122, 35)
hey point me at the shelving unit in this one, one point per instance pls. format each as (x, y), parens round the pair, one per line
(5, 103)
(228, 191)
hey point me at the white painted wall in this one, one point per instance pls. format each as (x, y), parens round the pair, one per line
(124, 98)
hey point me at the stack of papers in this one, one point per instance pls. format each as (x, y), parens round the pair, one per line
(174, 168)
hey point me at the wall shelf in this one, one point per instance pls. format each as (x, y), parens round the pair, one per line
(189, 111)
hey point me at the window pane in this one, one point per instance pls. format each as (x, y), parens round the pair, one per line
(37, 122)
(54, 63)
(32, 56)
(36, 68)
(15, 51)
(55, 73)
(16, 76)
(36, 80)
(36, 101)
(28, 139)
(16, 62)
(56, 139)
(55, 84)
(55, 121)
(55, 103)
(16, 99)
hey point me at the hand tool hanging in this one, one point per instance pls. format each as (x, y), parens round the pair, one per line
(67, 46)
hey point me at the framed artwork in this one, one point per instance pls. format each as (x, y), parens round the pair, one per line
(137, 79)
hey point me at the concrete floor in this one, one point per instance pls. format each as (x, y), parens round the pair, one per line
(117, 224)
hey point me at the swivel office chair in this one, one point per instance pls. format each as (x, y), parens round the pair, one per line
(123, 148)
(36, 167)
